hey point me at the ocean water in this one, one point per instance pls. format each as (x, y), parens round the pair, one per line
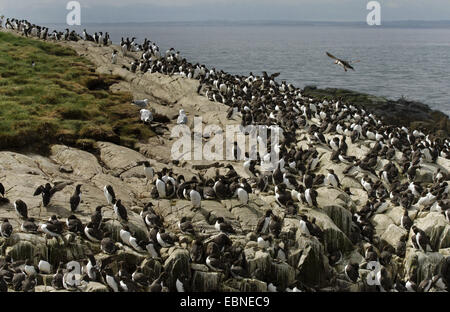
(413, 62)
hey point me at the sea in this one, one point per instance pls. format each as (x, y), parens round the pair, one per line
(409, 60)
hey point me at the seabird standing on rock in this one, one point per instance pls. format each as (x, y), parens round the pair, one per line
(263, 224)
(114, 57)
(160, 185)
(282, 196)
(384, 280)
(96, 217)
(6, 228)
(21, 208)
(195, 197)
(148, 170)
(242, 196)
(332, 179)
(311, 197)
(305, 225)
(406, 221)
(220, 188)
(421, 239)
(75, 199)
(47, 192)
(111, 280)
(120, 211)
(109, 194)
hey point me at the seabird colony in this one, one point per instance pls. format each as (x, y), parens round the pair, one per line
(387, 179)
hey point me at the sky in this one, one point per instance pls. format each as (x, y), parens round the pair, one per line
(119, 11)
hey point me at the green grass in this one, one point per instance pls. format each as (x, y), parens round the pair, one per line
(60, 100)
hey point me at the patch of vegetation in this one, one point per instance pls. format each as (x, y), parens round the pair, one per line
(60, 100)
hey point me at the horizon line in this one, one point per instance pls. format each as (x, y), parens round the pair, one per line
(261, 21)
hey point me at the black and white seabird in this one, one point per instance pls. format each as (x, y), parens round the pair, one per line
(29, 226)
(223, 226)
(21, 208)
(93, 233)
(263, 224)
(148, 170)
(282, 196)
(186, 226)
(164, 239)
(406, 221)
(140, 278)
(6, 228)
(114, 57)
(74, 224)
(96, 217)
(92, 268)
(332, 179)
(75, 199)
(47, 192)
(112, 280)
(160, 185)
(125, 235)
(352, 272)
(311, 197)
(120, 211)
(214, 263)
(107, 245)
(197, 251)
(421, 238)
(109, 194)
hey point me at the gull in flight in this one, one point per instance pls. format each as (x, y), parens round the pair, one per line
(341, 62)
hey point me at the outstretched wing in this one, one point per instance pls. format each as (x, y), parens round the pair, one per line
(347, 65)
(332, 56)
(38, 190)
(58, 187)
(274, 75)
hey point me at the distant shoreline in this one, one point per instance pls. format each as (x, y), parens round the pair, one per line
(385, 24)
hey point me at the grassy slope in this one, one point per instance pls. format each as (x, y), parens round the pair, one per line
(61, 100)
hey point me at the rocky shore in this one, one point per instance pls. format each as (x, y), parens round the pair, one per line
(309, 263)
(401, 112)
